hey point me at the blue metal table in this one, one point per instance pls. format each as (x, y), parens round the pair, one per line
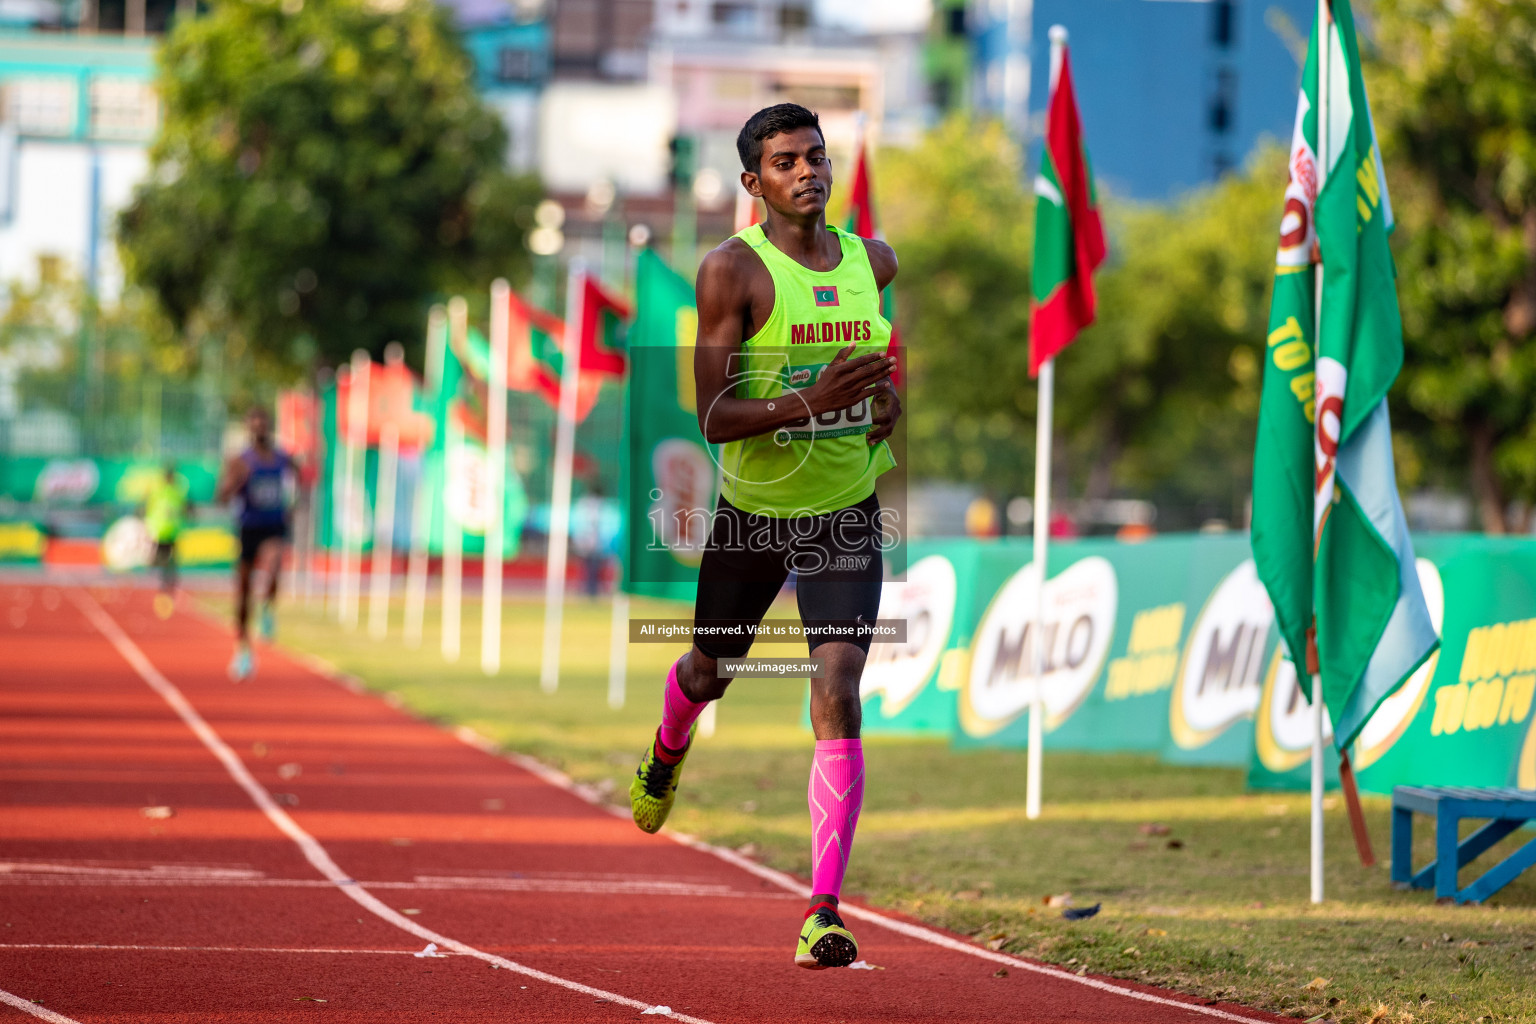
(1507, 808)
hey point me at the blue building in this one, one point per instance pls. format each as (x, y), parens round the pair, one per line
(510, 44)
(1173, 93)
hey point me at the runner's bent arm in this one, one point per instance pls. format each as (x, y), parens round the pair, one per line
(724, 301)
(231, 480)
(886, 409)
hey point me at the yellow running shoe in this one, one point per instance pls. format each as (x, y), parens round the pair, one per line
(165, 606)
(825, 941)
(654, 787)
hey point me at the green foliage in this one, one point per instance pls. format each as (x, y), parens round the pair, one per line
(1454, 94)
(1159, 397)
(323, 170)
(961, 224)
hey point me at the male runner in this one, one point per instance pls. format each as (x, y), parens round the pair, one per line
(793, 380)
(165, 511)
(261, 477)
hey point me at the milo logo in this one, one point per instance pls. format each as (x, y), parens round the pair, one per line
(801, 376)
(1218, 679)
(71, 480)
(926, 602)
(1080, 606)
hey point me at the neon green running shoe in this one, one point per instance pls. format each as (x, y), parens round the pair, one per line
(825, 941)
(654, 788)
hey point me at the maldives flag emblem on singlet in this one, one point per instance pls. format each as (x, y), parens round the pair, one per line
(825, 295)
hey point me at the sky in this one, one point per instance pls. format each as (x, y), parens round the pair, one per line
(875, 15)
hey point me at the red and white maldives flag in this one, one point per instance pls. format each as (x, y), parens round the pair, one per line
(1069, 237)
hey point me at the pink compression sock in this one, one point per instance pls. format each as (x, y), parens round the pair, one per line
(836, 794)
(677, 713)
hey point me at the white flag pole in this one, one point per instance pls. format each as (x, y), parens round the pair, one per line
(618, 647)
(496, 454)
(356, 490)
(1324, 35)
(453, 530)
(1043, 415)
(560, 498)
(1039, 640)
(383, 564)
(421, 507)
(306, 538)
(335, 554)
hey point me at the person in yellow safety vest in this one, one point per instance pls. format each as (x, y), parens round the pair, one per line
(165, 513)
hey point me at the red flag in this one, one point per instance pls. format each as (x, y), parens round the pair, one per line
(861, 221)
(1069, 237)
(602, 316)
(537, 338)
(533, 348)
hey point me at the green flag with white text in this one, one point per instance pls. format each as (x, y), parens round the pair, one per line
(1329, 536)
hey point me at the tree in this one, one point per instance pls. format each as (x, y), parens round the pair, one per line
(1160, 396)
(1454, 91)
(323, 170)
(956, 211)
(1157, 399)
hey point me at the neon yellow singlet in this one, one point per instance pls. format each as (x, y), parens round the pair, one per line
(822, 463)
(165, 507)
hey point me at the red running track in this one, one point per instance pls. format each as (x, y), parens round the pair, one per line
(319, 838)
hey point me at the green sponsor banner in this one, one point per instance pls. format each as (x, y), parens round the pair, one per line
(1156, 646)
(87, 481)
(1169, 646)
(908, 688)
(668, 473)
(1464, 718)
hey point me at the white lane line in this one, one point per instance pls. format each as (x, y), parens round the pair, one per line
(104, 947)
(913, 931)
(312, 850)
(41, 1012)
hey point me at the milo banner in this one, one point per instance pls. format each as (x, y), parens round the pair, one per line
(1464, 718)
(668, 474)
(1152, 647)
(1169, 647)
(86, 481)
(909, 688)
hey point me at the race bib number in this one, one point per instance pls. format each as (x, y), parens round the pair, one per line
(266, 492)
(856, 419)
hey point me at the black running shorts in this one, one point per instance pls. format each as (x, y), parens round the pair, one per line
(835, 557)
(253, 537)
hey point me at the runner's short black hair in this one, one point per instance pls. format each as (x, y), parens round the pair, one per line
(768, 122)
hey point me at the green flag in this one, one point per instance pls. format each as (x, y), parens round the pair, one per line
(1329, 537)
(668, 470)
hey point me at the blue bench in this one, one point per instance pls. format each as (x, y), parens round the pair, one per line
(1508, 808)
